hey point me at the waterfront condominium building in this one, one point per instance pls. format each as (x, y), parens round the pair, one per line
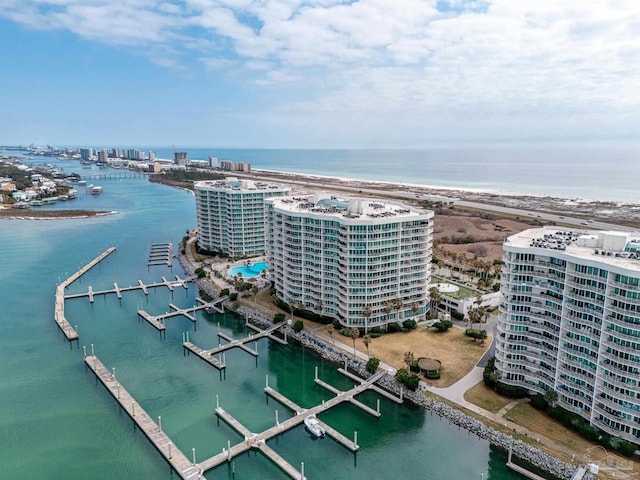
(570, 321)
(231, 213)
(363, 262)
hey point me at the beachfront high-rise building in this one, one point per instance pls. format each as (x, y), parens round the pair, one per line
(86, 153)
(363, 262)
(231, 215)
(570, 322)
(181, 158)
(103, 156)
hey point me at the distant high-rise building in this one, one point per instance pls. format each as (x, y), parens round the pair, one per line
(213, 161)
(152, 156)
(115, 153)
(86, 153)
(231, 166)
(103, 155)
(180, 158)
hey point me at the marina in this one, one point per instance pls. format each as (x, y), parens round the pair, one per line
(117, 290)
(161, 254)
(158, 321)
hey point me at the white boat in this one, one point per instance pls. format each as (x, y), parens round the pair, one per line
(96, 190)
(313, 425)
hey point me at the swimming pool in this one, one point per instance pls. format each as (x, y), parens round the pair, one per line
(248, 271)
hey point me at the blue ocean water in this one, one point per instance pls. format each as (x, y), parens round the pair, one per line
(595, 173)
(57, 421)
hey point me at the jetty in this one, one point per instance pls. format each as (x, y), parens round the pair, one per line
(219, 363)
(60, 318)
(117, 290)
(185, 468)
(161, 254)
(258, 441)
(158, 321)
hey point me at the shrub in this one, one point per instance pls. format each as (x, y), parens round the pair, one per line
(410, 324)
(456, 315)
(538, 402)
(432, 375)
(375, 335)
(510, 390)
(376, 330)
(410, 380)
(298, 326)
(393, 327)
(279, 317)
(233, 296)
(224, 292)
(345, 331)
(443, 325)
(373, 364)
(496, 287)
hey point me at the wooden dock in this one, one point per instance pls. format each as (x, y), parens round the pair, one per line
(258, 441)
(209, 355)
(58, 314)
(178, 461)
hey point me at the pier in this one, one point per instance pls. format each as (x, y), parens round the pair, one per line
(117, 290)
(209, 355)
(161, 254)
(59, 315)
(158, 321)
(185, 468)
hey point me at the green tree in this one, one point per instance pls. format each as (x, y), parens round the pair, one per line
(298, 326)
(435, 298)
(372, 365)
(551, 397)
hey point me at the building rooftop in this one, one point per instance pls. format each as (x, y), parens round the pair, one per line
(615, 248)
(234, 184)
(347, 207)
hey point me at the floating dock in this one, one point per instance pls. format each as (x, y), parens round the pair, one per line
(161, 254)
(59, 315)
(179, 462)
(158, 321)
(258, 441)
(117, 290)
(209, 355)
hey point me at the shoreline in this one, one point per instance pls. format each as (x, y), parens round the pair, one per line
(623, 213)
(56, 214)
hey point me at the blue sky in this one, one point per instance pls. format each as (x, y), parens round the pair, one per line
(318, 73)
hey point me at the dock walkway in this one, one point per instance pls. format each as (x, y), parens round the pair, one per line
(59, 315)
(209, 355)
(178, 461)
(117, 290)
(258, 441)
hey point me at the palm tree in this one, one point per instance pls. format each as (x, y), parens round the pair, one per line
(354, 333)
(255, 289)
(330, 330)
(415, 306)
(319, 307)
(292, 306)
(388, 307)
(436, 297)
(366, 311)
(408, 359)
(366, 340)
(238, 282)
(397, 304)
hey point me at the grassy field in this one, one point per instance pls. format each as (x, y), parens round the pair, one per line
(486, 398)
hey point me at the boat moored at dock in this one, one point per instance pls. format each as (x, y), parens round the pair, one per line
(313, 426)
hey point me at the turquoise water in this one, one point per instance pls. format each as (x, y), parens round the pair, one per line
(248, 271)
(57, 421)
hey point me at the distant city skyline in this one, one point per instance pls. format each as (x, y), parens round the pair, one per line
(318, 73)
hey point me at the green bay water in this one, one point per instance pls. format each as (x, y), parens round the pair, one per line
(58, 422)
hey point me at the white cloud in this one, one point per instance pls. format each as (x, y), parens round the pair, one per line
(386, 57)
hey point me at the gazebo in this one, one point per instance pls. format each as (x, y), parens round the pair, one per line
(430, 367)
